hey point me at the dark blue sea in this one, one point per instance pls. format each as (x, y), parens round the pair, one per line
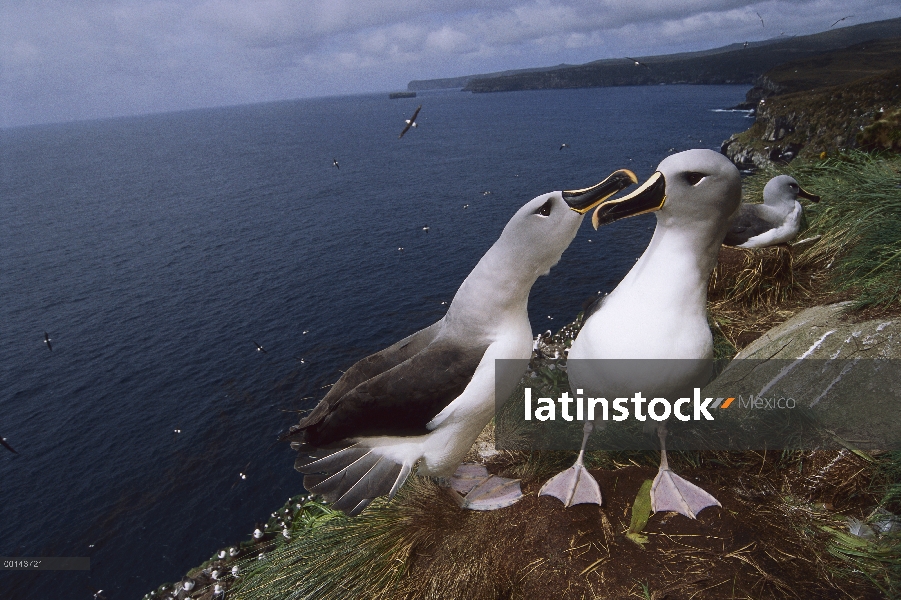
(156, 250)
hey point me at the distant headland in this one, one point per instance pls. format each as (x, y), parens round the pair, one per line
(739, 63)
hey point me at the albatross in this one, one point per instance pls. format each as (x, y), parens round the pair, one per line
(658, 311)
(6, 445)
(411, 122)
(421, 402)
(776, 221)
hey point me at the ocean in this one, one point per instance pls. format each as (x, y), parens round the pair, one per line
(157, 251)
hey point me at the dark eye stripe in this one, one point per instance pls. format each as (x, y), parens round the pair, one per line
(545, 209)
(693, 178)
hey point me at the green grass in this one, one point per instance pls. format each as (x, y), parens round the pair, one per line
(330, 556)
(859, 219)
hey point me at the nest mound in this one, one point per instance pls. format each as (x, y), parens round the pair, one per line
(752, 277)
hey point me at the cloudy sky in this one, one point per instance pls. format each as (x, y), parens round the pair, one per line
(77, 59)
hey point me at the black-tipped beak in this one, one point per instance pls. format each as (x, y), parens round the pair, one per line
(648, 198)
(805, 194)
(584, 200)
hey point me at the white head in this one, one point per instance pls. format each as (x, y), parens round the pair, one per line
(531, 243)
(535, 237)
(696, 191)
(784, 190)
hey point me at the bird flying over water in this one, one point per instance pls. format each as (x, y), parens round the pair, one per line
(421, 402)
(839, 21)
(7, 446)
(562, 146)
(47, 341)
(98, 594)
(335, 162)
(761, 19)
(260, 348)
(637, 62)
(411, 122)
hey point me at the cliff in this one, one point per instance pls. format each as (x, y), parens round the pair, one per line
(840, 100)
(736, 63)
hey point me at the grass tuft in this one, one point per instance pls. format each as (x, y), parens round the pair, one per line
(860, 223)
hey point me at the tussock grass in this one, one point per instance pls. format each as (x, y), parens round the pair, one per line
(854, 252)
(340, 557)
(763, 276)
(860, 221)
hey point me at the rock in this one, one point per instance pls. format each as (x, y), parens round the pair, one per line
(818, 367)
(879, 338)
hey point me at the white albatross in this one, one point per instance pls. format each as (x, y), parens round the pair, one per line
(776, 221)
(411, 122)
(422, 402)
(658, 312)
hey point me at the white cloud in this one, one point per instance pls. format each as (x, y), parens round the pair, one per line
(78, 59)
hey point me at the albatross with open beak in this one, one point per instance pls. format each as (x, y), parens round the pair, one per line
(422, 402)
(658, 311)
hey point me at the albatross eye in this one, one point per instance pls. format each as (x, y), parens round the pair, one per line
(545, 209)
(693, 177)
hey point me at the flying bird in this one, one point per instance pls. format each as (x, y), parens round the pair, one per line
(422, 402)
(411, 122)
(839, 21)
(658, 312)
(776, 221)
(260, 348)
(7, 446)
(98, 594)
(335, 162)
(47, 341)
(562, 146)
(638, 63)
(761, 19)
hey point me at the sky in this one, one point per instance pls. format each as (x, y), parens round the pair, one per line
(82, 59)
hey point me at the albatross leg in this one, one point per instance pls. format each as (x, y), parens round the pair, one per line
(669, 492)
(575, 485)
(474, 488)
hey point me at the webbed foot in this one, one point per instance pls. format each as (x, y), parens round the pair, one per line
(573, 486)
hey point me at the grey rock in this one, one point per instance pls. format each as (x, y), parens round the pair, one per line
(841, 375)
(838, 338)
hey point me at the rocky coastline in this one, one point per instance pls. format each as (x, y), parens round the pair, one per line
(819, 107)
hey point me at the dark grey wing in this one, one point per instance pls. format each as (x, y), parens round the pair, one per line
(412, 120)
(399, 401)
(747, 224)
(378, 363)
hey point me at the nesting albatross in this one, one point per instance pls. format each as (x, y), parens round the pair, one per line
(422, 402)
(776, 221)
(658, 311)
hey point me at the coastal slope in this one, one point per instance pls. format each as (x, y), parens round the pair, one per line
(845, 99)
(736, 63)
